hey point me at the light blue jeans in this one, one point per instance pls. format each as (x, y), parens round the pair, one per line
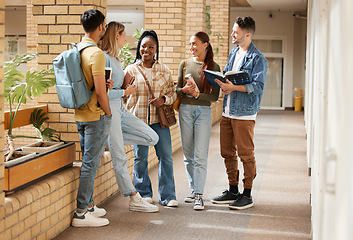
(93, 136)
(195, 128)
(126, 129)
(166, 185)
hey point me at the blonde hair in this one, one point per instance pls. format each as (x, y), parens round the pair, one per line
(109, 41)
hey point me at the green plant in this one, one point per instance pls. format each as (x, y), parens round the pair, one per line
(209, 31)
(47, 134)
(18, 87)
(125, 55)
(137, 34)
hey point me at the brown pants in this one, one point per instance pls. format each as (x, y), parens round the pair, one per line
(236, 137)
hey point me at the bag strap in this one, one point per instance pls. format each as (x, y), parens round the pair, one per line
(148, 84)
(184, 73)
(82, 47)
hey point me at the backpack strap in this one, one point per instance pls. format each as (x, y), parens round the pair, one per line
(82, 47)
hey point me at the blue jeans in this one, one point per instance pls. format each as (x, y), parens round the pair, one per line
(126, 129)
(166, 185)
(93, 136)
(195, 128)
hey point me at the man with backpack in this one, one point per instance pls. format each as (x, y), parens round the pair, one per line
(92, 120)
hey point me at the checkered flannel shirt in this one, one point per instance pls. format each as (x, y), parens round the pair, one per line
(162, 85)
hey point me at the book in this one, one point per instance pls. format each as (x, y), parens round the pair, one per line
(128, 80)
(236, 77)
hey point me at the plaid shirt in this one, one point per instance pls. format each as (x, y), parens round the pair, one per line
(162, 85)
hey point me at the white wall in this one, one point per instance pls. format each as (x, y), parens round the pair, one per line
(329, 117)
(283, 25)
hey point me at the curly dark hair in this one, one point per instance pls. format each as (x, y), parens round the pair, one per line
(246, 23)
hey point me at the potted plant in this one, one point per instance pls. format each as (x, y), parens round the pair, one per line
(19, 87)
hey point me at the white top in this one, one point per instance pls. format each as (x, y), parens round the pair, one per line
(236, 66)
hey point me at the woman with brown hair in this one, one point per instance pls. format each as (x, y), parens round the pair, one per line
(195, 118)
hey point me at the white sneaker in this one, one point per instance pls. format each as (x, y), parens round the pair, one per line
(172, 203)
(148, 199)
(88, 220)
(139, 204)
(96, 211)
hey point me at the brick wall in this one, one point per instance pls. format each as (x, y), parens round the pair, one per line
(168, 19)
(220, 25)
(58, 25)
(2, 49)
(195, 21)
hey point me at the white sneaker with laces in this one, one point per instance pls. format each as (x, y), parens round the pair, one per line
(198, 203)
(96, 211)
(139, 204)
(172, 203)
(88, 220)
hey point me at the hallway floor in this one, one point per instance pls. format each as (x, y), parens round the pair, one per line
(281, 194)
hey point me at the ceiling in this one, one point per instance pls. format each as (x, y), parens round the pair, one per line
(298, 6)
(271, 5)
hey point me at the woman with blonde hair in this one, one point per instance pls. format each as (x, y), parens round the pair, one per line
(126, 129)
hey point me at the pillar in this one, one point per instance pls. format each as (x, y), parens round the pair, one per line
(168, 19)
(58, 25)
(220, 14)
(2, 49)
(195, 20)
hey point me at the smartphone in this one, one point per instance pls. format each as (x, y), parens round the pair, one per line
(108, 74)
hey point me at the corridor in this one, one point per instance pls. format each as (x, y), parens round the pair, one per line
(281, 194)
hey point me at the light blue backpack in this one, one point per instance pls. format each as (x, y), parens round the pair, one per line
(71, 83)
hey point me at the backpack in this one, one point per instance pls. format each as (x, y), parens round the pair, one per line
(71, 84)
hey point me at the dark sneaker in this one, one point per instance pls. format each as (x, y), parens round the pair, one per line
(191, 198)
(242, 203)
(226, 198)
(198, 203)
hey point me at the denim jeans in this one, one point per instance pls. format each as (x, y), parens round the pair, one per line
(93, 136)
(126, 129)
(166, 185)
(195, 129)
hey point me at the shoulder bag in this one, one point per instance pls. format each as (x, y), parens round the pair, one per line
(176, 104)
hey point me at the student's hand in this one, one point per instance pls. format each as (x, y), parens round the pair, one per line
(110, 83)
(227, 87)
(157, 102)
(131, 89)
(188, 88)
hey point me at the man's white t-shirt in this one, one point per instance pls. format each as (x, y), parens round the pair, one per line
(236, 66)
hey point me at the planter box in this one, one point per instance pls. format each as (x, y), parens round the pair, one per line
(19, 174)
(42, 146)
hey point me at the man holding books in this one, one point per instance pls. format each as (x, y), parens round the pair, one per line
(240, 106)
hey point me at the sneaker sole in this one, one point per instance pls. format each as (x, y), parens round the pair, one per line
(80, 224)
(148, 210)
(199, 208)
(243, 207)
(223, 202)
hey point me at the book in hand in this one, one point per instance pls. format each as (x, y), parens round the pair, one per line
(236, 77)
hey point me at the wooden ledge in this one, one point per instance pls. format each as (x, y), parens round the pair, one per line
(22, 118)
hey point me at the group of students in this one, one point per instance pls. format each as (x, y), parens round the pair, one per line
(104, 118)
